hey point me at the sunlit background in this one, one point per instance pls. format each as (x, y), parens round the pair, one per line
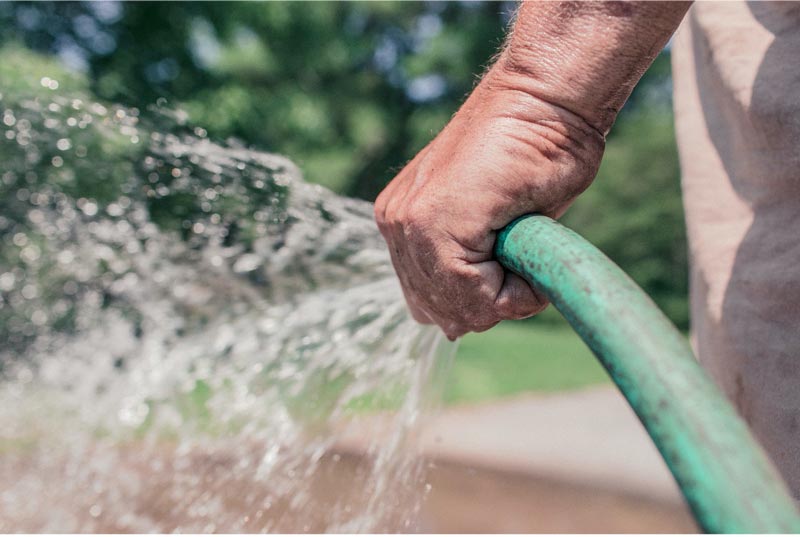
(349, 91)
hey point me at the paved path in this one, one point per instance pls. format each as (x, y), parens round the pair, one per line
(588, 437)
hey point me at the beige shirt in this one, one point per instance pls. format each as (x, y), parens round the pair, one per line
(736, 69)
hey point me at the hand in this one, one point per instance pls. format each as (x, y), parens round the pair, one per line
(505, 153)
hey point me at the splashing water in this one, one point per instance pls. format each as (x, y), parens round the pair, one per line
(187, 330)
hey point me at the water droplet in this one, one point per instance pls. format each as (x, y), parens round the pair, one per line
(39, 318)
(20, 239)
(65, 257)
(29, 291)
(133, 412)
(247, 263)
(7, 280)
(114, 209)
(30, 254)
(98, 110)
(89, 208)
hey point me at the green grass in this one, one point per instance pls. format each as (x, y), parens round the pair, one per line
(521, 356)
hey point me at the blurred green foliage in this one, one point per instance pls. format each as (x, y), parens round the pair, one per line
(517, 357)
(350, 91)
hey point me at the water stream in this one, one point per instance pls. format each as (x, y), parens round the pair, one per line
(188, 328)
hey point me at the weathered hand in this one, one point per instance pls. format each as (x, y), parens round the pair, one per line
(506, 153)
(528, 139)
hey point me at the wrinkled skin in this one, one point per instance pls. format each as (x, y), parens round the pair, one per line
(529, 139)
(505, 153)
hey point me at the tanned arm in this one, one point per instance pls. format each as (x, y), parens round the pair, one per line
(528, 139)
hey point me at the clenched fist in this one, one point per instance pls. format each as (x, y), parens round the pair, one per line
(529, 139)
(506, 153)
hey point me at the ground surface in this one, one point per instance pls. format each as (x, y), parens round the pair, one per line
(466, 499)
(533, 439)
(567, 462)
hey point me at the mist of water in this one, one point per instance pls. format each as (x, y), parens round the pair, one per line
(188, 328)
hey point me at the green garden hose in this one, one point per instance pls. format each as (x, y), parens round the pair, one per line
(725, 476)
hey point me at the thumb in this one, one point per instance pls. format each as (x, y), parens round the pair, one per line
(517, 299)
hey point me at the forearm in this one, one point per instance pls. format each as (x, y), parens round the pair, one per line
(585, 57)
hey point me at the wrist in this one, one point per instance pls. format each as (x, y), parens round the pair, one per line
(547, 154)
(553, 130)
(586, 57)
(594, 109)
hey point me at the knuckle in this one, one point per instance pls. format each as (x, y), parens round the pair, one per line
(382, 214)
(454, 330)
(418, 212)
(476, 318)
(379, 213)
(485, 327)
(473, 281)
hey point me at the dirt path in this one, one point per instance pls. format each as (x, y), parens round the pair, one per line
(568, 462)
